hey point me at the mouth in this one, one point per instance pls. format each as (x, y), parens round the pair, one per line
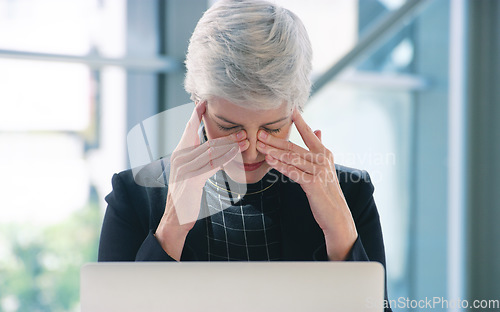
(250, 167)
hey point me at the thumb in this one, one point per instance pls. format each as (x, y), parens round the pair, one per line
(190, 137)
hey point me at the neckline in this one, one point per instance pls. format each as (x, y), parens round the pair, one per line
(224, 185)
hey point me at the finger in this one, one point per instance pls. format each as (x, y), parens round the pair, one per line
(190, 136)
(196, 116)
(211, 154)
(289, 147)
(231, 138)
(318, 134)
(309, 162)
(188, 154)
(283, 144)
(292, 172)
(210, 168)
(310, 139)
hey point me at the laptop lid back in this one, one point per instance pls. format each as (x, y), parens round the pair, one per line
(232, 286)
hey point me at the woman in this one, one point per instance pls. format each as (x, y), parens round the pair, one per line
(248, 67)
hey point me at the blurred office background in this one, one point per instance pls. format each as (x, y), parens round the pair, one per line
(408, 90)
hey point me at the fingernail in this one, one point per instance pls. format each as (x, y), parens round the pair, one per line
(242, 143)
(240, 135)
(260, 144)
(263, 134)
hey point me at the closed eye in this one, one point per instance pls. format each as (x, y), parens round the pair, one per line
(273, 131)
(227, 128)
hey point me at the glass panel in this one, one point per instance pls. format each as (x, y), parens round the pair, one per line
(331, 25)
(44, 96)
(53, 190)
(51, 167)
(48, 225)
(396, 55)
(62, 136)
(75, 27)
(334, 26)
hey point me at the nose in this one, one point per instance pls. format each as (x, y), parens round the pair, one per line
(251, 154)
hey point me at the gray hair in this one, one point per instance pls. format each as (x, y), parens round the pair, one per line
(249, 51)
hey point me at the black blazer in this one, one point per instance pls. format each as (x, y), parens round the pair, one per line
(134, 212)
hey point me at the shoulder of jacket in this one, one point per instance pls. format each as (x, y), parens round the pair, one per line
(152, 175)
(352, 175)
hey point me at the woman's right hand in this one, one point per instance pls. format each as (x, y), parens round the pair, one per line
(191, 164)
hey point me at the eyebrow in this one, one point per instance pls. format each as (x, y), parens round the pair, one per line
(266, 124)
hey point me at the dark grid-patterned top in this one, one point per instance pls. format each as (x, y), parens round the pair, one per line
(248, 229)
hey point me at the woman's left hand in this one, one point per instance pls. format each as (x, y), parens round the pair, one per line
(314, 170)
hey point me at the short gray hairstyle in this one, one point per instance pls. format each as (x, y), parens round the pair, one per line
(249, 51)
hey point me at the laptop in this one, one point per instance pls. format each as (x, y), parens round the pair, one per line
(232, 286)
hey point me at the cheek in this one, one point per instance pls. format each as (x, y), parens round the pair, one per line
(285, 132)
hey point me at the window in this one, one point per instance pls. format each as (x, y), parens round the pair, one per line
(56, 157)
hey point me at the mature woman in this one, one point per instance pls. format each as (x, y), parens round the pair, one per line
(248, 67)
